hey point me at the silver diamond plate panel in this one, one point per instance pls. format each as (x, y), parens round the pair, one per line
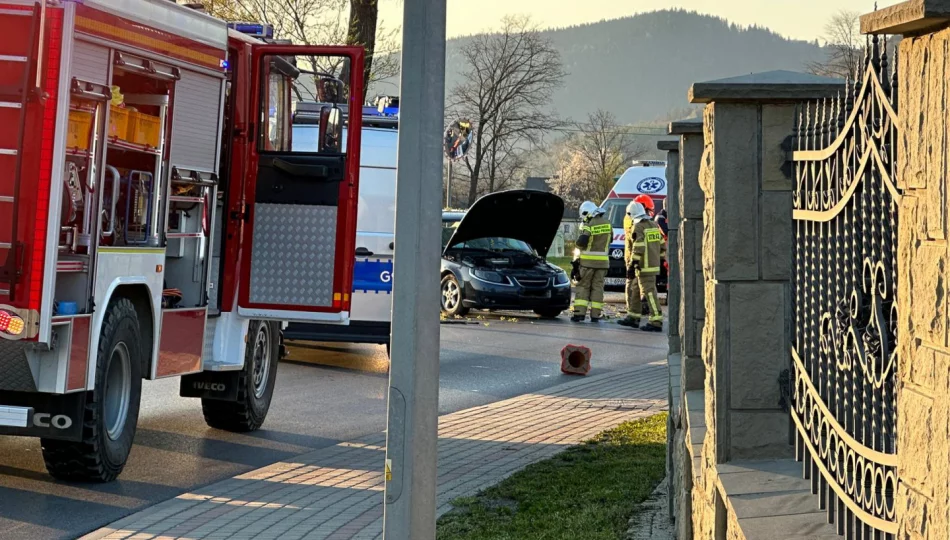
(292, 259)
(15, 373)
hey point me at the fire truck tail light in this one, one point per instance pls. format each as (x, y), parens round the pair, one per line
(11, 324)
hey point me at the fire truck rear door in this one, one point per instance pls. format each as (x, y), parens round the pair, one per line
(300, 239)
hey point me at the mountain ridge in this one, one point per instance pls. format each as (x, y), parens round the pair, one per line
(668, 49)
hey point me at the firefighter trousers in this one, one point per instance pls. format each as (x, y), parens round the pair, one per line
(643, 286)
(590, 292)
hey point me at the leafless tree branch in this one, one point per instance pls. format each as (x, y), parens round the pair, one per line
(591, 159)
(509, 79)
(843, 39)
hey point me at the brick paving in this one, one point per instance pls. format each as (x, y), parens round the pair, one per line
(336, 493)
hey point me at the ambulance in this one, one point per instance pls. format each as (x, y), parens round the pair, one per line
(642, 178)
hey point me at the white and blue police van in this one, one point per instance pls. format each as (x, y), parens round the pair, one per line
(371, 304)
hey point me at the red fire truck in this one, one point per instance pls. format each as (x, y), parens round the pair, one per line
(154, 220)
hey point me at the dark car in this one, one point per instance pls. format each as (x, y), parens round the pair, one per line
(495, 259)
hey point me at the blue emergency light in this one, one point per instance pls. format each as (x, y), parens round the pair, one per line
(258, 30)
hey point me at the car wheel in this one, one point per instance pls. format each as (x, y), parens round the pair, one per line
(452, 297)
(548, 313)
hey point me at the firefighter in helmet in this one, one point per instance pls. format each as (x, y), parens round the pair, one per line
(648, 204)
(644, 247)
(592, 265)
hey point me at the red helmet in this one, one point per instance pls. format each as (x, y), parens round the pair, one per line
(646, 201)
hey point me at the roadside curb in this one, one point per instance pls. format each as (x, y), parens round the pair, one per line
(652, 518)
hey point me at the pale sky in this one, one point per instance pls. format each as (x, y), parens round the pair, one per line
(800, 19)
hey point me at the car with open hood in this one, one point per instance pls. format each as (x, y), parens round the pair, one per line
(495, 259)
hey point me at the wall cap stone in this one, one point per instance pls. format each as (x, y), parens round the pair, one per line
(668, 146)
(688, 126)
(911, 17)
(778, 86)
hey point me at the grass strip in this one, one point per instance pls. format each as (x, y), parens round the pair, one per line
(587, 492)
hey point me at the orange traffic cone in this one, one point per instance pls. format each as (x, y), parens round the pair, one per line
(575, 360)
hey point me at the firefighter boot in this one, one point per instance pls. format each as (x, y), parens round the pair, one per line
(651, 327)
(629, 322)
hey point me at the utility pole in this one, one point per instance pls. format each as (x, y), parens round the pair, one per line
(412, 427)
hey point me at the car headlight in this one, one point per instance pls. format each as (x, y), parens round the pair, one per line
(561, 280)
(489, 276)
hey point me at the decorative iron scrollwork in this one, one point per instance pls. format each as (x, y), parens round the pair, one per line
(845, 278)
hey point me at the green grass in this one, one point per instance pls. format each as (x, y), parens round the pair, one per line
(588, 492)
(563, 262)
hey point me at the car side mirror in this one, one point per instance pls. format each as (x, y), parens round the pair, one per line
(331, 130)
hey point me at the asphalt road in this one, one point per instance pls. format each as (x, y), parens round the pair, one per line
(327, 394)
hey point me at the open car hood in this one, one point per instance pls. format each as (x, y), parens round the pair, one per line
(523, 214)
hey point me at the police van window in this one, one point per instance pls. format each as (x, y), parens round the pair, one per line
(304, 104)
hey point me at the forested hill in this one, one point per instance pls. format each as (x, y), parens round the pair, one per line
(641, 67)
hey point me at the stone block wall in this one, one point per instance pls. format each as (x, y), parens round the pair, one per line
(746, 264)
(689, 252)
(674, 293)
(923, 393)
(737, 234)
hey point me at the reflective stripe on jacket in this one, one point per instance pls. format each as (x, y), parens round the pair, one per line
(596, 234)
(645, 245)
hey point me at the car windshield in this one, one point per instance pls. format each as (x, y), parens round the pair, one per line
(498, 245)
(616, 210)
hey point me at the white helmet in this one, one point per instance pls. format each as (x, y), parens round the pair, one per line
(600, 212)
(588, 209)
(636, 211)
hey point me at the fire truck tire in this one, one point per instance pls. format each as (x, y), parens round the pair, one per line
(255, 386)
(112, 409)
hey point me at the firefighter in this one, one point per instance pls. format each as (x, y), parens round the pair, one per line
(644, 247)
(662, 220)
(647, 202)
(593, 242)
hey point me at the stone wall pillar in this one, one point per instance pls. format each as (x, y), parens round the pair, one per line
(672, 149)
(747, 259)
(689, 201)
(747, 268)
(674, 424)
(923, 264)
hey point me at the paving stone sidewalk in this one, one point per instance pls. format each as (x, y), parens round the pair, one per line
(336, 493)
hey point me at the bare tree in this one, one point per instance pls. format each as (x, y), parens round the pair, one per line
(321, 22)
(592, 158)
(307, 22)
(844, 41)
(509, 78)
(364, 15)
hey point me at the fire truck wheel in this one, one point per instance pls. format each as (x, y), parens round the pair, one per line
(112, 409)
(255, 386)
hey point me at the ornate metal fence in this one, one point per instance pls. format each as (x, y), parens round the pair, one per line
(844, 344)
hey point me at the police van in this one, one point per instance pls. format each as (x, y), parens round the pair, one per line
(371, 304)
(642, 178)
